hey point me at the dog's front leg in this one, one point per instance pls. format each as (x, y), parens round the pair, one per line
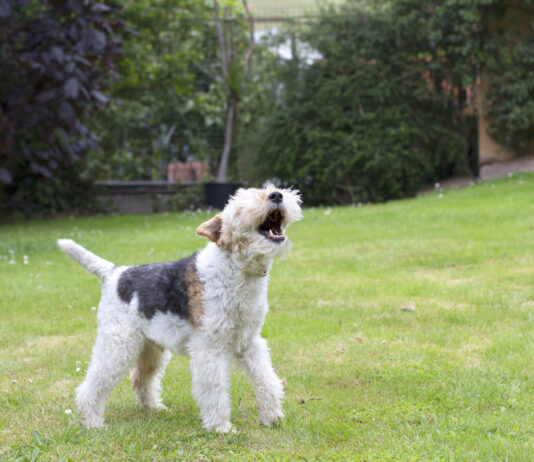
(211, 383)
(268, 388)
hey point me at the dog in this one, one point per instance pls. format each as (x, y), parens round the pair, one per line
(210, 306)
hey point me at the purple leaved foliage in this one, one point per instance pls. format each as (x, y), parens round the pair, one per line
(55, 65)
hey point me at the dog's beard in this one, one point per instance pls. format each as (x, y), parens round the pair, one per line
(255, 253)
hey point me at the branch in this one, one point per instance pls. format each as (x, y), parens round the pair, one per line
(524, 9)
(220, 38)
(208, 72)
(126, 5)
(250, 51)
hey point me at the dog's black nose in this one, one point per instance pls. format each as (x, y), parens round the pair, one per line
(276, 197)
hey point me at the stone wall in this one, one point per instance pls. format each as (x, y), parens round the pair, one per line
(145, 197)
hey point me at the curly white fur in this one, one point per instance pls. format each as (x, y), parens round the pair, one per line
(233, 272)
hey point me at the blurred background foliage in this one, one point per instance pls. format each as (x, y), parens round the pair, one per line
(56, 61)
(380, 114)
(165, 105)
(357, 101)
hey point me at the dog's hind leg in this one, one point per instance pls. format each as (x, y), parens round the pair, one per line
(113, 355)
(147, 375)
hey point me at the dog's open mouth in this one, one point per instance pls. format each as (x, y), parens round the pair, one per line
(271, 228)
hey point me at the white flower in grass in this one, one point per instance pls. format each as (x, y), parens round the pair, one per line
(68, 411)
(11, 262)
(25, 259)
(93, 308)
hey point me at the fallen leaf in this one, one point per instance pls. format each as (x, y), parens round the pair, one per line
(407, 308)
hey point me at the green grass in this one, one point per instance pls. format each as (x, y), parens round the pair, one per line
(452, 380)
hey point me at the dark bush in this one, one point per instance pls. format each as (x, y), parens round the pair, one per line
(510, 74)
(56, 58)
(379, 115)
(164, 106)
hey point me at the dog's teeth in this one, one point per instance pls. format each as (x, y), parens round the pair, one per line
(271, 233)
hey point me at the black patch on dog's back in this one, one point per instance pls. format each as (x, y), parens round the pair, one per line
(159, 287)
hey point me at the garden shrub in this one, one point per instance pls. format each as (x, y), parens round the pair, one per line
(380, 115)
(510, 97)
(56, 59)
(165, 105)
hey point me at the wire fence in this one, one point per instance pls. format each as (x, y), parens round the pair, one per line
(170, 116)
(172, 109)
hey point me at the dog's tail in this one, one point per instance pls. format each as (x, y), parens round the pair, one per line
(95, 265)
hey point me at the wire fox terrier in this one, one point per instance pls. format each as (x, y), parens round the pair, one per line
(210, 306)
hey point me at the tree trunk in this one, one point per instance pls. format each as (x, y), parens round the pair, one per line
(223, 166)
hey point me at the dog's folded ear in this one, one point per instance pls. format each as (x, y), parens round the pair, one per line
(211, 228)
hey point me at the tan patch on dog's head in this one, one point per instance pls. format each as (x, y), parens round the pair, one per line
(263, 194)
(194, 293)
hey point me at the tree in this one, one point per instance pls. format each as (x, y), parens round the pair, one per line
(165, 104)
(235, 71)
(379, 115)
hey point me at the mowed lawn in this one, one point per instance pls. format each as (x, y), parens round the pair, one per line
(451, 377)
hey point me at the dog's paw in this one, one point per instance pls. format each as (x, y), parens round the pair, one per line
(160, 407)
(273, 418)
(225, 427)
(94, 422)
(153, 405)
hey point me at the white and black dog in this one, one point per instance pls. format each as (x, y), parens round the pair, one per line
(210, 306)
